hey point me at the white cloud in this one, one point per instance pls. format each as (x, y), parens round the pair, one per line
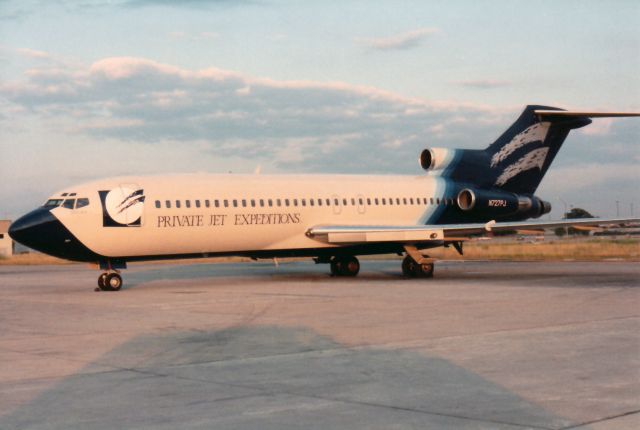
(483, 83)
(194, 37)
(410, 39)
(600, 127)
(285, 125)
(33, 53)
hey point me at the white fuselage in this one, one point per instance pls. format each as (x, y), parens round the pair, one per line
(214, 214)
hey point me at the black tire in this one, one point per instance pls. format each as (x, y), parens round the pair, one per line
(102, 282)
(334, 264)
(411, 269)
(344, 266)
(113, 282)
(426, 270)
(409, 266)
(349, 266)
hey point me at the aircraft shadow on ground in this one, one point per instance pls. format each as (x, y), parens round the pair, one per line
(272, 378)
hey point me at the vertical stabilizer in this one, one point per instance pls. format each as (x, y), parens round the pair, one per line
(520, 157)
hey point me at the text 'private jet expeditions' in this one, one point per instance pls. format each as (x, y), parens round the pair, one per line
(332, 218)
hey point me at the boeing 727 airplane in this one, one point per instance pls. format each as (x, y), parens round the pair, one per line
(332, 218)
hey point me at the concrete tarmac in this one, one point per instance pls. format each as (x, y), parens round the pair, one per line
(251, 346)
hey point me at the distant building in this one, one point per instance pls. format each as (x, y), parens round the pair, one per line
(6, 243)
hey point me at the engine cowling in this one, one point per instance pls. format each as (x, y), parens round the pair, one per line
(500, 204)
(436, 158)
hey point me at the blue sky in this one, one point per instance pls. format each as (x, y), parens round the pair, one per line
(90, 89)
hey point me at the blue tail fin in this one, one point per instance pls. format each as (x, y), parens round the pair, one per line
(520, 157)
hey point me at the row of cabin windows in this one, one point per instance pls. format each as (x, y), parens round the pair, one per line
(361, 201)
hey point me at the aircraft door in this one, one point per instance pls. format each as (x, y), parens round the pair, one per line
(336, 204)
(362, 208)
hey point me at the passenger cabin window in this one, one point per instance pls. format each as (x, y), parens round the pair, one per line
(53, 203)
(158, 204)
(168, 204)
(187, 203)
(253, 203)
(69, 203)
(83, 201)
(178, 204)
(197, 202)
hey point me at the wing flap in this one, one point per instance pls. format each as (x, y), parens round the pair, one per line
(364, 234)
(338, 234)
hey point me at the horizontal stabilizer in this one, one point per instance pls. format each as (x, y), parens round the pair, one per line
(544, 113)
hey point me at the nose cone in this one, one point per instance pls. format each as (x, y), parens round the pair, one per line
(31, 230)
(42, 231)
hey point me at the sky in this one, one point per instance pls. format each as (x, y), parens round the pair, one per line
(95, 88)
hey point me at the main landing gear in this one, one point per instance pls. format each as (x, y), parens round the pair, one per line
(414, 265)
(344, 265)
(412, 269)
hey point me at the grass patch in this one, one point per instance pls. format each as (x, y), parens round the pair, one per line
(583, 250)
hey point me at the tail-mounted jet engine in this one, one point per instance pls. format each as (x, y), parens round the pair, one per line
(435, 158)
(500, 203)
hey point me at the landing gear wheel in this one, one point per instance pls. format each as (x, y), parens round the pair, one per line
(411, 269)
(345, 266)
(334, 264)
(110, 282)
(101, 281)
(350, 266)
(426, 270)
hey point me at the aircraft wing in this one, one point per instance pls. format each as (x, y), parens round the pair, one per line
(412, 234)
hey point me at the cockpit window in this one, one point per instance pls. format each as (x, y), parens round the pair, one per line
(82, 202)
(51, 203)
(69, 203)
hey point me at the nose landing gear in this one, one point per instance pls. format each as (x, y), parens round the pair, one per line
(109, 282)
